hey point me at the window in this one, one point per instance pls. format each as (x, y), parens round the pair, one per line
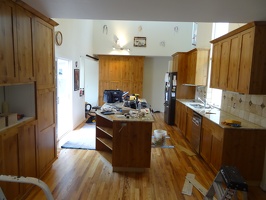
(214, 96)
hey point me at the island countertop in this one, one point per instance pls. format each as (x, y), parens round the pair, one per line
(121, 117)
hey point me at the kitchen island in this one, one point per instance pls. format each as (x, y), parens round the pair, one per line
(124, 142)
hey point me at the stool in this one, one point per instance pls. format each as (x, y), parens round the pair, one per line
(226, 183)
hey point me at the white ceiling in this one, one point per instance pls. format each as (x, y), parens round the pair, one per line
(235, 11)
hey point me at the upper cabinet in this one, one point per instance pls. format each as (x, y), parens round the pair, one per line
(24, 53)
(180, 63)
(198, 62)
(238, 60)
(44, 54)
(16, 44)
(8, 71)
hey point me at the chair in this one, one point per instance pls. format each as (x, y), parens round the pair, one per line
(90, 113)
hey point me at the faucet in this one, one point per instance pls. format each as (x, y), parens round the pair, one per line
(204, 102)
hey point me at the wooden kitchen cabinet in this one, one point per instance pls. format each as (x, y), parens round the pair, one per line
(180, 63)
(126, 144)
(238, 60)
(16, 44)
(10, 161)
(211, 144)
(44, 61)
(198, 62)
(239, 147)
(189, 116)
(27, 153)
(18, 157)
(27, 55)
(24, 21)
(181, 117)
(8, 69)
(120, 72)
(46, 137)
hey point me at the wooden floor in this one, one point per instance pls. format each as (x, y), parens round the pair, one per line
(84, 174)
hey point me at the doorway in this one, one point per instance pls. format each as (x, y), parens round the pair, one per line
(64, 97)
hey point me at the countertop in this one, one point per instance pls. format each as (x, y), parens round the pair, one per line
(120, 117)
(218, 116)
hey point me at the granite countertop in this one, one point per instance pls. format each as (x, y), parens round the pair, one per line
(218, 116)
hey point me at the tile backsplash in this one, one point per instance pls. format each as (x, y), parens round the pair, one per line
(249, 107)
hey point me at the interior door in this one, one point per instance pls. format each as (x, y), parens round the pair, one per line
(64, 96)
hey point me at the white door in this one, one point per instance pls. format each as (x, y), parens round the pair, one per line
(64, 96)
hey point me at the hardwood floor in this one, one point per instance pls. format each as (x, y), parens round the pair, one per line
(84, 174)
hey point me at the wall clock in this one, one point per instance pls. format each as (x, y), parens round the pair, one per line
(58, 38)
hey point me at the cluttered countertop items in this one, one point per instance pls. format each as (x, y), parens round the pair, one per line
(120, 112)
(219, 117)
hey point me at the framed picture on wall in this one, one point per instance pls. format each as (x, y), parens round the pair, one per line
(76, 79)
(139, 41)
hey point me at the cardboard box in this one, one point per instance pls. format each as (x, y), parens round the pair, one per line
(10, 118)
(2, 122)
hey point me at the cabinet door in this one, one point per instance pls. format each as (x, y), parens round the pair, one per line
(192, 60)
(233, 69)
(215, 68)
(177, 113)
(43, 48)
(24, 21)
(46, 136)
(130, 140)
(189, 124)
(206, 143)
(10, 162)
(246, 53)
(216, 151)
(181, 115)
(27, 152)
(8, 72)
(224, 61)
(46, 149)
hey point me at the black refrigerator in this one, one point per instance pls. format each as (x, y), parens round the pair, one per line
(170, 97)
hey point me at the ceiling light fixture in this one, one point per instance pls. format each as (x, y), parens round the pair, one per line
(121, 49)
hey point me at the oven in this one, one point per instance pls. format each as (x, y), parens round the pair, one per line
(196, 131)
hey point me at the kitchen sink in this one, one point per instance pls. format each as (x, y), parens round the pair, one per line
(199, 106)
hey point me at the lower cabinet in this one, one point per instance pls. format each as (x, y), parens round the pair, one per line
(27, 153)
(46, 135)
(189, 116)
(239, 147)
(211, 144)
(10, 165)
(18, 157)
(181, 117)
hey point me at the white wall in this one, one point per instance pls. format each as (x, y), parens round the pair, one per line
(155, 33)
(153, 81)
(91, 81)
(77, 41)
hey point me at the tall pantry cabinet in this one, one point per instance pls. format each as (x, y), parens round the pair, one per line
(45, 84)
(27, 148)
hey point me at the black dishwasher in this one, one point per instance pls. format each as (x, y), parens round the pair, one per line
(196, 131)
